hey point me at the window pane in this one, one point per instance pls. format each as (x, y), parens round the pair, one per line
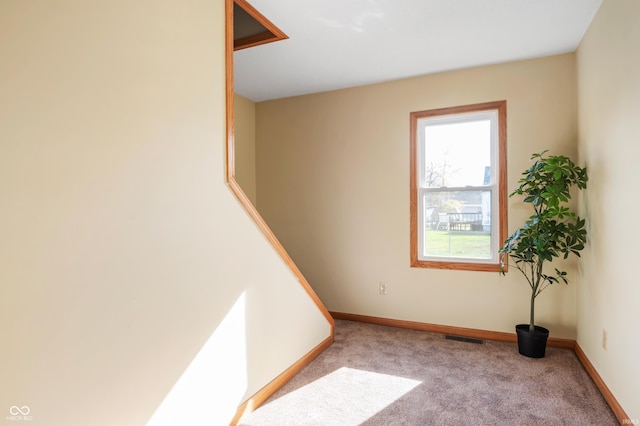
(457, 224)
(457, 154)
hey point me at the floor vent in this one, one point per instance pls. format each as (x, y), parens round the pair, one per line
(463, 339)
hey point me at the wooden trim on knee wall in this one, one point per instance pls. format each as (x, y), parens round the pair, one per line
(500, 337)
(263, 394)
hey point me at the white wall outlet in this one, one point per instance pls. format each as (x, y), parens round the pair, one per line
(604, 339)
(382, 288)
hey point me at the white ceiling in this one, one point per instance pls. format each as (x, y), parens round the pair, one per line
(335, 44)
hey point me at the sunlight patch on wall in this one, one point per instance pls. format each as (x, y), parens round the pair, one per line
(212, 387)
(346, 397)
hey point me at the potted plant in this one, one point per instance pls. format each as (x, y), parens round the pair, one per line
(553, 230)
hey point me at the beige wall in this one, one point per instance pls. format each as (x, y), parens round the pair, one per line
(333, 183)
(123, 253)
(245, 145)
(608, 63)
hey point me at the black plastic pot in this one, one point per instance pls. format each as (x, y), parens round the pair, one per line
(533, 344)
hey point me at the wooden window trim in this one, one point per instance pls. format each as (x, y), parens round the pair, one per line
(501, 107)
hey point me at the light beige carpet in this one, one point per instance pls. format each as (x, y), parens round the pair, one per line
(375, 375)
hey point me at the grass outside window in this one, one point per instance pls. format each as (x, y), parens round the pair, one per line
(458, 243)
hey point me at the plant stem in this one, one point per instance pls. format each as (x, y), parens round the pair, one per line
(531, 319)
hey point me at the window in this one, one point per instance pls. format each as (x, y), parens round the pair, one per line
(458, 187)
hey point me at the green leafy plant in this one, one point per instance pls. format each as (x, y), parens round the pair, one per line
(553, 230)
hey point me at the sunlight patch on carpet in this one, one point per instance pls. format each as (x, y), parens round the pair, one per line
(346, 397)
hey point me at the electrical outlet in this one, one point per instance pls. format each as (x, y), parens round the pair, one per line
(382, 288)
(604, 339)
